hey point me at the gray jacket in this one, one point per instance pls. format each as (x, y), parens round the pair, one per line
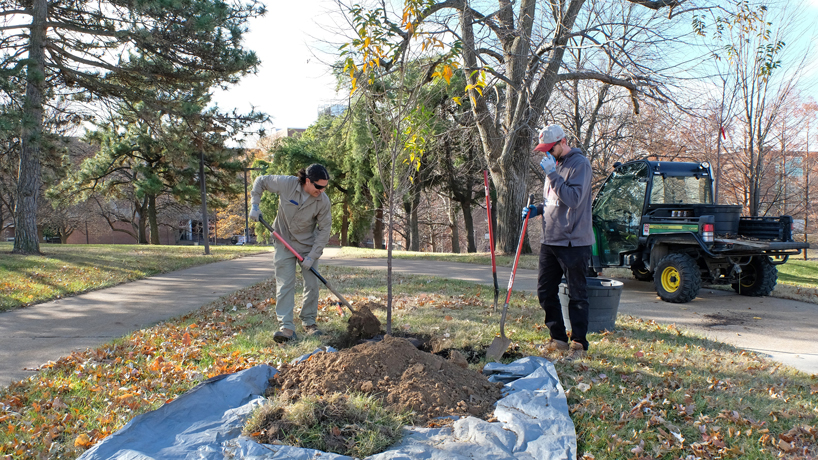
(567, 200)
(303, 220)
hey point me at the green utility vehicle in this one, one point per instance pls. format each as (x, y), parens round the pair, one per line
(658, 218)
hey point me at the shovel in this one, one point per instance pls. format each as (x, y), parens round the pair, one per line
(312, 269)
(500, 344)
(491, 242)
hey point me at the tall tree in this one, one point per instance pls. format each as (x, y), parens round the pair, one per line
(145, 155)
(520, 59)
(754, 46)
(105, 49)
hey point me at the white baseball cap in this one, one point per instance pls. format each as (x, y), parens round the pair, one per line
(549, 136)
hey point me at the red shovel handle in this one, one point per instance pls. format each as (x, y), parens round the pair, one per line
(281, 239)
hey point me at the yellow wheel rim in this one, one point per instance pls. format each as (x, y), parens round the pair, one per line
(670, 279)
(748, 278)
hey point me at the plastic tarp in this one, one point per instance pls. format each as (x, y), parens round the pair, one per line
(206, 423)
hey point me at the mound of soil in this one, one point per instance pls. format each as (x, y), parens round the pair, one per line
(393, 370)
(363, 324)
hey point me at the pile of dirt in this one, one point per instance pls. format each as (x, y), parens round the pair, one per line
(363, 324)
(393, 370)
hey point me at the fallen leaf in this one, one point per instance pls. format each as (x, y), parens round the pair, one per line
(448, 318)
(82, 441)
(785, 446)
(186, 339)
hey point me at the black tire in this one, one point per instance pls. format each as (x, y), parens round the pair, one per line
(758, 278)
(677, 279)
(640, 272)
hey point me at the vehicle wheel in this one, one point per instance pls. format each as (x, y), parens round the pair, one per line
(677, 278)
(640, 272)
(758, 278)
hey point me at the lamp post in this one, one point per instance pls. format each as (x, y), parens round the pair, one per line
(246, 205)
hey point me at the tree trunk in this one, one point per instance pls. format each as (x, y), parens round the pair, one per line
(345, 223)
(453, 226)
(511, 197)
(26, 240)
(152, 219)
(468, 221)
(407, 211)
(141, 223)
(413, 223)
(377, 230)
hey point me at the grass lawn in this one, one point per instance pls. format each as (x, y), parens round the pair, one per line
(65, 270)
(645, 391)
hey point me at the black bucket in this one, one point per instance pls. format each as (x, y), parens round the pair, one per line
(603, 300)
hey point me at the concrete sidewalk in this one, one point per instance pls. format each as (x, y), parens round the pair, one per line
(781, 329)
(32, 336)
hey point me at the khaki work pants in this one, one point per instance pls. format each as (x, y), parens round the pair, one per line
(285, 263)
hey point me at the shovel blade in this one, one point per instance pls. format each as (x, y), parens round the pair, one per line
(497, 348)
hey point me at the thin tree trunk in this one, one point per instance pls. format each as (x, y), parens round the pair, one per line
(377, 231)
(453, 225)
(26, 238)
(468, 221)
(345, 223)
(413, 223)
(142, 223)
(407, 210)
(152, 219)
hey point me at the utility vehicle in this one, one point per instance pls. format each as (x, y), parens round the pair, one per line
(658, 218)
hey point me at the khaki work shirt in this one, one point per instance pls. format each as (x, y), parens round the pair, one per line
(303, 220)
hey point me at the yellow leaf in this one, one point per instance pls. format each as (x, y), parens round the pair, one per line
(82, 441)
(457, 100)
(367, 42)
(447, 74)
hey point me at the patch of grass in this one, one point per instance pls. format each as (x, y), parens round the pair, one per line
(356, 425)
(646, 390)
(799, 273)
(65, 270)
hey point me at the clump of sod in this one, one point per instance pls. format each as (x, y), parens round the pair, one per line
(356, 425)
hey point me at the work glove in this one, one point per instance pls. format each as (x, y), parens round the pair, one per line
(254, 213)
(548, 164)
(306, 264)
(530, 211)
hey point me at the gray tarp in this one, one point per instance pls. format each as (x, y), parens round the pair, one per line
(206, 422)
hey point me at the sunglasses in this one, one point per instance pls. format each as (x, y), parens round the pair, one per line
(551, 150)
(318, 187)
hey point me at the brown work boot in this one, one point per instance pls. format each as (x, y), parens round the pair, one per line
(284, 335)
(556, 345)
(312, 329)
(575, 351)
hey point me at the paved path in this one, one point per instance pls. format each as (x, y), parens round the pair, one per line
(29, 337)
(45, 332)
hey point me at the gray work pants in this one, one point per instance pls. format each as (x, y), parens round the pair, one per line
(285, 263)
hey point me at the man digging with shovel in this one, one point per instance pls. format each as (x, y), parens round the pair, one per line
(567, 236)
(305, 221)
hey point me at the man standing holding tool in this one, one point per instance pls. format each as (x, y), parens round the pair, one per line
(567, 236)
(305, 221)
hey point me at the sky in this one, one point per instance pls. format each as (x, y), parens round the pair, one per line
(292, 83)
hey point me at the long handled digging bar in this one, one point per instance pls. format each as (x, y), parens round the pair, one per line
(491, 242)
(499, 344)
(312, 269)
